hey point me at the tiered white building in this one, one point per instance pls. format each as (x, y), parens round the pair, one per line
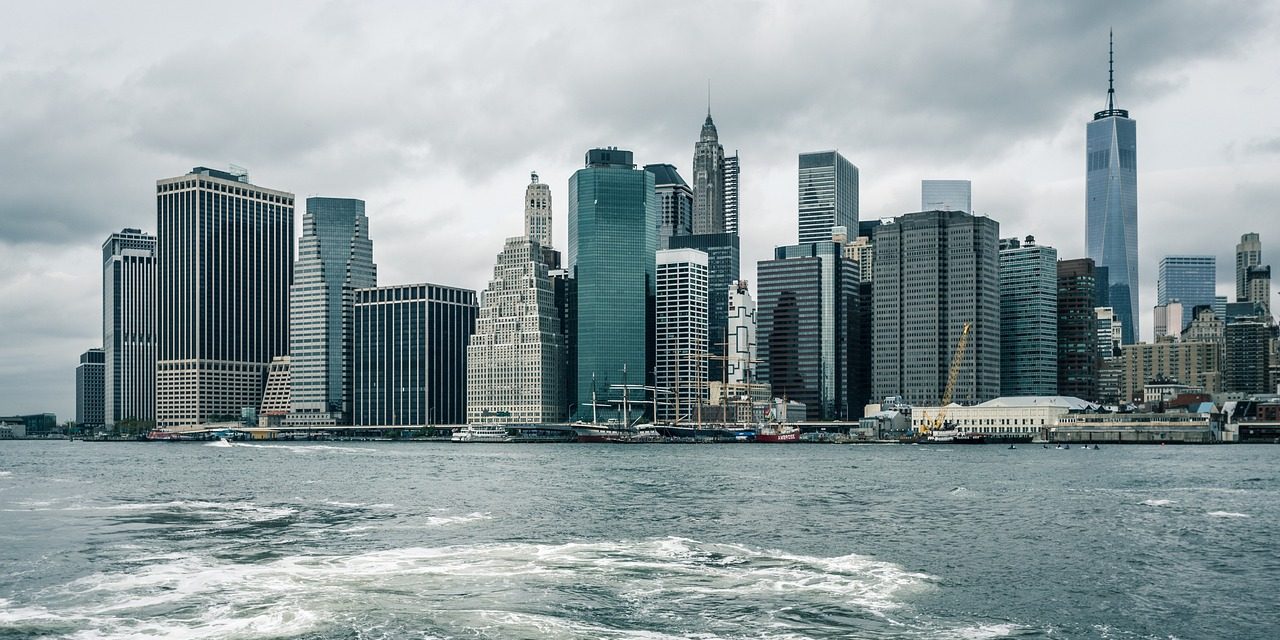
(515, 356)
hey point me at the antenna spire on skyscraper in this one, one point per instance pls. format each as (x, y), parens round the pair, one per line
(1111, 70)
(708, 98)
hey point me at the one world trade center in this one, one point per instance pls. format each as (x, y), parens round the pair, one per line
(1111, 204)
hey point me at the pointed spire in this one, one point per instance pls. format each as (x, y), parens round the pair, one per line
(708, 98)
(1111, 70)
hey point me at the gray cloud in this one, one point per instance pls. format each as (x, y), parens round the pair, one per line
(435, 114)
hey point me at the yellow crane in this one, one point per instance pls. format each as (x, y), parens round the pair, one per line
(938, 420)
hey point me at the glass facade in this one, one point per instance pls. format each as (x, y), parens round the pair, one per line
(613, 236)
(946, 195)
(828, 195)
(1111, 210)
(335, 257)
(1028, 319)
(410, 362)
(806, 322)
(1187, 279)
(675, 199)
(1078, 360)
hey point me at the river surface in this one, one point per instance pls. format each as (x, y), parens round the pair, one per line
(441, 540)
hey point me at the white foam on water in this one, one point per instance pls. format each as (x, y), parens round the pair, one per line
(5, 474)
(441, 521)
(983, 632)
(1227, 514)
(1158, 502)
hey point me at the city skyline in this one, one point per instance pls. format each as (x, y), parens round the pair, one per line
(441, 199)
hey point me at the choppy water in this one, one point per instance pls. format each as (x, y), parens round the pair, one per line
(664, 541)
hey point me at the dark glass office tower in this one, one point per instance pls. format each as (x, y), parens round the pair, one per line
(613, 238)
(807, 328)
(1111, 206)
(1190, 280)
(224, 263)
(1078, 360)
(90, 390)
(828, 195)
(410, 354)
(676, 201)
(335, 257)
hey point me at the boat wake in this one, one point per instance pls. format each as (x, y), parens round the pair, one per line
(657, 588)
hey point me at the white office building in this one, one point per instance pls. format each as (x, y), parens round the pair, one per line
(681, 331)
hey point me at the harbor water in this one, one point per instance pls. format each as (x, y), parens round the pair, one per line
(441, 540)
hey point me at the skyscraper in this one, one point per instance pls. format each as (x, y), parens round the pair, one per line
(741, 353)
(676, 201)
(828, 195)
(1258, 287)
(807, 317)
(410, 365)
(935, 272)
(1189, 280)
(129, 326)
(681, 331)
(946, 195)
(224, 262)
(90, 390)
(516, 355)
(1078, 359)
(1028, 318)
(613, 236)
(1248, 254)
(724, 257)
(708, 181)
(1111, 205)
(1166, 320)
(335, 257)
(732, 173)
(537, 211)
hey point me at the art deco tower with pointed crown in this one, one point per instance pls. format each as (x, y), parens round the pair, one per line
(708, 180)
(1111, 204)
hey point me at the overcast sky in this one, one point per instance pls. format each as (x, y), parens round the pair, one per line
(435, 114)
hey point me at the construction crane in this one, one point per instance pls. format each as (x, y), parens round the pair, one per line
(938, 420)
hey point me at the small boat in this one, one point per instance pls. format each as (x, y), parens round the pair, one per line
(1012, 447)
(1095, 447)
(778, 433)
(220, 442)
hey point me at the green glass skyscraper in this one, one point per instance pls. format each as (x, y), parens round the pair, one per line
(613, 235)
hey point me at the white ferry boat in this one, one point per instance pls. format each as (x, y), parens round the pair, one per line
(481, 433)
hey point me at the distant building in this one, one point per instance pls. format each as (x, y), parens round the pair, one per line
(807, 310)
(1006, 416)
(828, 195)
(1193, 363)
(724, 262)
(1206, 326)
(1078, 359)
(515, 359)
(1111, 207)
(1258, 287)
(935, 272)
(732, 171)
(90, 391)
(708, 181)
(741, 362)
(277, 394)
(1248, 254)
(681, 332)
(1247, 356)
(1167, 320)
(224, 263)
(410, 365)
(537, 211)
(129, 326)
(946, 195)
(613, 236)
(1189, 280)
(675, 200)
(1028, 318)
(335, 257)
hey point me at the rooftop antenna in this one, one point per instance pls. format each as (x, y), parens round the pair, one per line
(1111, 70)
(708, 97)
